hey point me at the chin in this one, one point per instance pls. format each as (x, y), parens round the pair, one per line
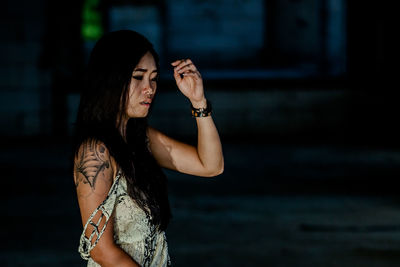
(139, 115)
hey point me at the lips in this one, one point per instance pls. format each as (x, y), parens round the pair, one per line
(147, 103)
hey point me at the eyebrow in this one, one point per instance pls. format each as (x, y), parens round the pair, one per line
(144, 70)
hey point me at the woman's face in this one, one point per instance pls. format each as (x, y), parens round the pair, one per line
(143, 87)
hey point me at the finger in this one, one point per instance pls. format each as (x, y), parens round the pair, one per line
(177, 76)
(176, 62)
(190, 73)
(186, 68)
(184, 63)
(195, 72)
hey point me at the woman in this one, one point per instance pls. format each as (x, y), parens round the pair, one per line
(121, 189)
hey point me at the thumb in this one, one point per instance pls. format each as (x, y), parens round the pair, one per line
(177, 76)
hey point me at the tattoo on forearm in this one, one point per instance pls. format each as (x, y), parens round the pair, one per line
(92, 161)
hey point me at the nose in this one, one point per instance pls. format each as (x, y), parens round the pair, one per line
(148, 88)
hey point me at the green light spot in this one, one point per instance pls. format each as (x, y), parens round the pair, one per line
(92, 28)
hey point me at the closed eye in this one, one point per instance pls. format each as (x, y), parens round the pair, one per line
(139, 78)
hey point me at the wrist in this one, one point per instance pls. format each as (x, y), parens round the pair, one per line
(203, 109)
(199, 104)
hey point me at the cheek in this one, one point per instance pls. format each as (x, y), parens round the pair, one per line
(134, 89)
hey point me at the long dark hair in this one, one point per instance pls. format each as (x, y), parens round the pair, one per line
(103, 103)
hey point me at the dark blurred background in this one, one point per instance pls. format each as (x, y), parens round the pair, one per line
(304, 100)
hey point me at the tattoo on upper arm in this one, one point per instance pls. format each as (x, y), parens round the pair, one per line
(91, 161)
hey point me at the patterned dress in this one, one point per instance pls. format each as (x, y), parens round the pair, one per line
(133, 231)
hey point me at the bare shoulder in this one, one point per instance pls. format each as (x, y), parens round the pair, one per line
(93, 166)
(94, 172)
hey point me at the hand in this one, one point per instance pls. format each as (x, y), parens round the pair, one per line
(189, 81)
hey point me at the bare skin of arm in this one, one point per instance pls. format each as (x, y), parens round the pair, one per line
(206, 159)
(94, 173)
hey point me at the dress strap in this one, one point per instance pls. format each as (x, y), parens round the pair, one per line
(105, 208)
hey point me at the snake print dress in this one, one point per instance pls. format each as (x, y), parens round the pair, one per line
(133, 231)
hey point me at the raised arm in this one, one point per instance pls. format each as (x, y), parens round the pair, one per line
(207, 158)
(94, 173)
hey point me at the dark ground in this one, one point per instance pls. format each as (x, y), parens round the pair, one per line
(274, 205)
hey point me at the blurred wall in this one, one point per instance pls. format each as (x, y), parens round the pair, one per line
(25, 93)
(272, 68)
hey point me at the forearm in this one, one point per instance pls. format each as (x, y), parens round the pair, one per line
(209, 146)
